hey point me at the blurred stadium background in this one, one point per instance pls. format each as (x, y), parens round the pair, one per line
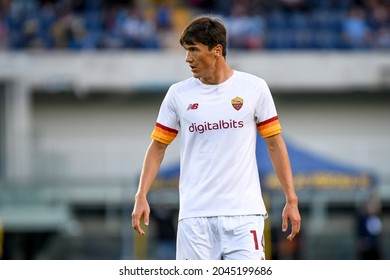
(80, 87)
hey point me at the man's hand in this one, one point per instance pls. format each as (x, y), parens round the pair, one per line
(141, 210)
(291, 213)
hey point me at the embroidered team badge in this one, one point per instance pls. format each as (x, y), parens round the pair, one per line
(237, 103)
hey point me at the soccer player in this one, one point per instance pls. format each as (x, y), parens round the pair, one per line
(218, 112)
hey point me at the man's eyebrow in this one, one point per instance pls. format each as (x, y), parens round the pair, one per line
(191, 47)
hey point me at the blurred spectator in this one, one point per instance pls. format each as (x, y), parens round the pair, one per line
(355, 29)
(138, 32)
(244, 31)
(3, 33)
(369, 226)
(111, 20)
(163, 17)
(379, 22)
(382, 40)
(165, 25)
(69, 30)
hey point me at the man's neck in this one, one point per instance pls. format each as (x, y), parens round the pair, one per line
(222, 74)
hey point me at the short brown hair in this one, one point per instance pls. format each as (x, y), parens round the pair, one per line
(206, 30)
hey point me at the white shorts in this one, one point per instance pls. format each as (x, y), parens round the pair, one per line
(224, 237)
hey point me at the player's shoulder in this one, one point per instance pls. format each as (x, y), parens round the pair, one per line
(250, 78)
(184, 84)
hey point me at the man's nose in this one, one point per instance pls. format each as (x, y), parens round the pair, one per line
(188, 57)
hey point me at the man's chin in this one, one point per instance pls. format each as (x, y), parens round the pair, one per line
(195, 75)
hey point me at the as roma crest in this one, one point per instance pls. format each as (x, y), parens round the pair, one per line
(237, 103)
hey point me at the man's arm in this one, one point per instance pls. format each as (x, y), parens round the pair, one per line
(152, 162)
(281, 163)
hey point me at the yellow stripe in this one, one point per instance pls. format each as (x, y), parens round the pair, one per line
(163, 136)
(270, 129)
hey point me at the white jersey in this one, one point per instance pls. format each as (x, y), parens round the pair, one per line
(218, 126)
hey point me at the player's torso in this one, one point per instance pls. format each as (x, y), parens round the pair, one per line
(217, 140)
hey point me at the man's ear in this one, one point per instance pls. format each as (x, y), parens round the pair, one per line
(218, 50)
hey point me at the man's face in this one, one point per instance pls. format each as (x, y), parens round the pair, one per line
(201, 61)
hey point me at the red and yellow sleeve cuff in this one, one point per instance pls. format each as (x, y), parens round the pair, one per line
(269, 127)
(163, 134)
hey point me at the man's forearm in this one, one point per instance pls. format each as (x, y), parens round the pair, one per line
(151, 165)
(281, 163)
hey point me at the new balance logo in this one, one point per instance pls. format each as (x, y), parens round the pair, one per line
(193, 106)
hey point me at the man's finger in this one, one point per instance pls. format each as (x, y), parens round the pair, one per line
(138, 229)
(291, 237)
(295, 227)
(146, 219)
(135, 223)
(284, 224)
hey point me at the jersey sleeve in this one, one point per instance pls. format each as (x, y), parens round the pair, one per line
(167, 124)
(267, 120)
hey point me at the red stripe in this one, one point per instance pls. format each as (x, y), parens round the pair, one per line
(255, 239)
(166, 128)
(268, 121)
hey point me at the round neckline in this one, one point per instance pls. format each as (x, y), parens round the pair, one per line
(218, 85)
